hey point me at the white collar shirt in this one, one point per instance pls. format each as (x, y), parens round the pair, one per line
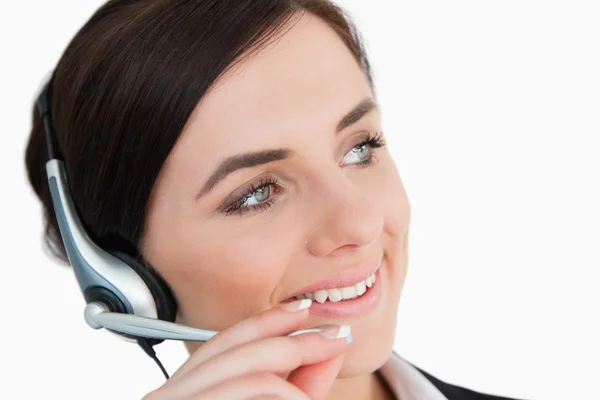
(406, 382)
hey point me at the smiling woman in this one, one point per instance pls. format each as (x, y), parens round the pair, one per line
(235, 150)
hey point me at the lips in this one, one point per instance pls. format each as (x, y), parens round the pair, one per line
(342, 279)
(356, 308)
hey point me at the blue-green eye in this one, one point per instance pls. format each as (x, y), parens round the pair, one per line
(362, 152)
(255, 197)
(258, 195)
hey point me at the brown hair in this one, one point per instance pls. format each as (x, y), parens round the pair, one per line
(127, 84)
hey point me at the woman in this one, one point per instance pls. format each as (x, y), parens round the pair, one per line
(235, 148)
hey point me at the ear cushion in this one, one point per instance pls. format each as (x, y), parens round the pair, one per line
(166, 307)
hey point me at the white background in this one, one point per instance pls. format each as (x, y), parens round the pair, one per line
(492, 109)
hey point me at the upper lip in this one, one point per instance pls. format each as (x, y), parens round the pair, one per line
(343, 279)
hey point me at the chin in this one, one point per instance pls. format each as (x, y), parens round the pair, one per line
(373, 336)
(369, 350)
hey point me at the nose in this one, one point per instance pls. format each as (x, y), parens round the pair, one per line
(347, 218)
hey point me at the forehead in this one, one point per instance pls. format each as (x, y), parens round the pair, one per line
(300, 84)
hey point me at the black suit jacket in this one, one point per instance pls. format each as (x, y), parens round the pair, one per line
(453, 392)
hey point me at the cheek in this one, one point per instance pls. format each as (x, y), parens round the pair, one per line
(226, 274)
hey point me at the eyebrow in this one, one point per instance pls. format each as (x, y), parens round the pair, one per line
(256, 158)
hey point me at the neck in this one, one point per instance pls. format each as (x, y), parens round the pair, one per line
(365, 387)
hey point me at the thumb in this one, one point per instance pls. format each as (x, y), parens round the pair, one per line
(316, 380)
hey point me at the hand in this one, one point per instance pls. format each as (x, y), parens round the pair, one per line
(251, 358)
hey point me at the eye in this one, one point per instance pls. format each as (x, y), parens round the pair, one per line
(259, 195)
(254, 198)
(362, 154)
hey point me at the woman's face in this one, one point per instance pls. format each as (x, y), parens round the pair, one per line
(323, 211)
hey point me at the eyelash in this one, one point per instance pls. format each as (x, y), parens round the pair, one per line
(373, 140)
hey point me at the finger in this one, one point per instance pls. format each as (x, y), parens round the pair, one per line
(276, 321)
(254, 386)
(316, 380)
(274, 355)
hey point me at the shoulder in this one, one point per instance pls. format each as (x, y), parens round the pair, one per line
(453, 392)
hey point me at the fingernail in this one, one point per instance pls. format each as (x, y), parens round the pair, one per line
(297, 305)
(338, 332)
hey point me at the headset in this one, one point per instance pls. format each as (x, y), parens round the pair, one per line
(122, 295)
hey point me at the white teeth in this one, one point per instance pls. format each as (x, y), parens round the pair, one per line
(321, 296)
(348, 293)
(334, 295)
(360, 288)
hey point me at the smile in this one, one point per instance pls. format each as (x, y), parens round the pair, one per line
(352, 293)
(340, 294)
